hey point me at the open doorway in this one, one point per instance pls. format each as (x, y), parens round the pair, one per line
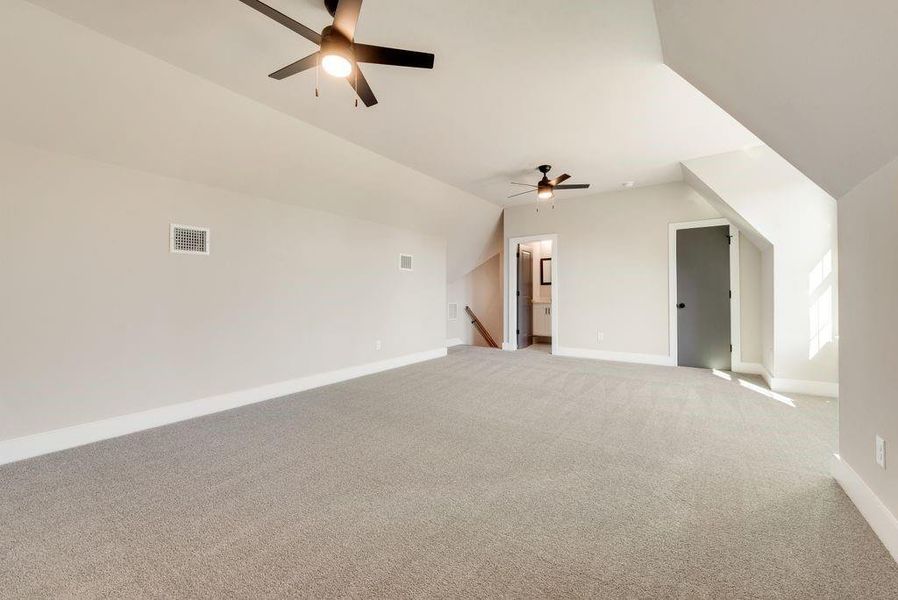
(532, 285)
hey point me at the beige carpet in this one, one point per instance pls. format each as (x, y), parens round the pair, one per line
(485, 474)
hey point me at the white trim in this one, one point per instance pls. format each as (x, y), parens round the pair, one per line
(882, 522)
(735, 299)
(627, 357)
(735, 317)
(801, 386)
(454, 342)
(790, 386)
(511, 286)
(86, 433)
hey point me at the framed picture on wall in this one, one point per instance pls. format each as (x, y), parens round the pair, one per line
(545, 271)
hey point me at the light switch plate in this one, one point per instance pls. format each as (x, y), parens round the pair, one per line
(880, 452)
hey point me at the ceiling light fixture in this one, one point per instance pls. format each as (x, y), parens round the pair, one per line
(339, 53)
(336, 53)
(336, 65)
(545, 188)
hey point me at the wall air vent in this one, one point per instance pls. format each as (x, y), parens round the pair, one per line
(453, 311)
(184, 239)
(405, 262)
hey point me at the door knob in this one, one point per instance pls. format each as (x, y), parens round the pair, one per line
(681, 305)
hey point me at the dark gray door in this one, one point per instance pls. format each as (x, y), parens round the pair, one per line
(525, 297)
(703, 297)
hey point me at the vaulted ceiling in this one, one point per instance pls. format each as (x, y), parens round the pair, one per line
(816, 79)
(517, 83)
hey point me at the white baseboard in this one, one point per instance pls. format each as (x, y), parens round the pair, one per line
(883, 522)
(789, 386)
(628, 357)
(801, 386)
(86, 433)
(454, 342)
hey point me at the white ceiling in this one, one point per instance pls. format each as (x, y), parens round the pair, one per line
(517, 83)
(817, 80)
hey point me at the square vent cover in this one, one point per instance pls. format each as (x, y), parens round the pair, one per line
(405, 262)
(185, 239)
(453, 311)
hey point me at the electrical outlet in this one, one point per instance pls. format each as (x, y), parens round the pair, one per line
(377, 345)
(880, 452)
(601, 336)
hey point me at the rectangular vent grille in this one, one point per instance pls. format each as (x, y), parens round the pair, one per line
(405, 262)
(453, 311)
(189, 240)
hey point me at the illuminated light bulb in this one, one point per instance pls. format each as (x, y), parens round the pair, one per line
(336, 65)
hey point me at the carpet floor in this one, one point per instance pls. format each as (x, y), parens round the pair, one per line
(485, 474)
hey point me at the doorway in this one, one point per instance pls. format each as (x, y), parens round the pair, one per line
(532, 293)
(704, 294)
(525, 296)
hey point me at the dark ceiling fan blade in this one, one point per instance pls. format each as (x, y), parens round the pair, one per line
(521, 193)
(380, 55)
(527, 184)
(347, 17)
(572, 186)
(298, 67)
(309, 34)
(559, 179)
(361, 87)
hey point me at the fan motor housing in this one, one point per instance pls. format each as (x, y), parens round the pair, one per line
(334, 42)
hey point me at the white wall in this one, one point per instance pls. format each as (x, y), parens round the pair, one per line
(750, 285)
(816, 80)
(113, 103)
(868, 252)
(612, 263)
(306, 231)
(768, 318)
(101, 320)
(799, 219)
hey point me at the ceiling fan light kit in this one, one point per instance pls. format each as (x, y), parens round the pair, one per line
(338, 53)
(545, 188)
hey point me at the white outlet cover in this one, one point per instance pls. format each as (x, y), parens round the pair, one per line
(880, 452)
(377, 345)
(601, 336)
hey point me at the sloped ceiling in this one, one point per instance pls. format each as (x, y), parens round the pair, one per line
(580, 85)
(816, 80)
(69, 89)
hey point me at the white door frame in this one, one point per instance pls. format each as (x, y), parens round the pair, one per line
(735, 311)
(511, 287)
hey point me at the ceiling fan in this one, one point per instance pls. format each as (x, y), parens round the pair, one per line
(338, 53)
(545, 189)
